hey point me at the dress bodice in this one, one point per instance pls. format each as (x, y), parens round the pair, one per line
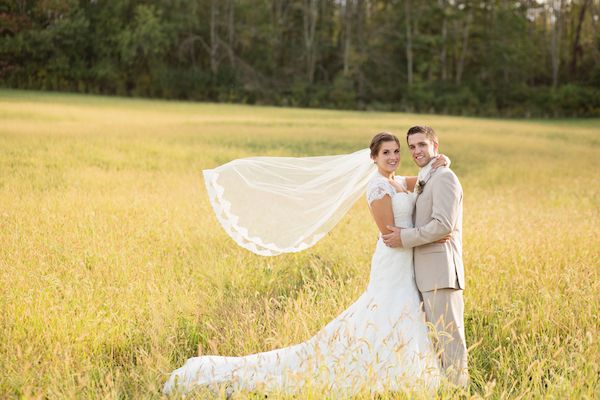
(403, 203)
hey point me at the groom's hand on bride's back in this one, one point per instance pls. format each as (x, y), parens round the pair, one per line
(393, 238)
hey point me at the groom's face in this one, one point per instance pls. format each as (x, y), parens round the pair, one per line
(422, 149)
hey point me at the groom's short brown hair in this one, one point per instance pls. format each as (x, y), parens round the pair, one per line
(426, 130)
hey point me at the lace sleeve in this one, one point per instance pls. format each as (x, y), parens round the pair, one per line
(377, 189)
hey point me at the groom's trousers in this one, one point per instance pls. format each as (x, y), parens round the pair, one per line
(444, 309)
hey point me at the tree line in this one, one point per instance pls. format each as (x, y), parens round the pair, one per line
(516, 58)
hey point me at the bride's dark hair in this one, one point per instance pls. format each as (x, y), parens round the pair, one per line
(379, 139)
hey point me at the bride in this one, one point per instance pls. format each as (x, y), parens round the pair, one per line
(381, 341)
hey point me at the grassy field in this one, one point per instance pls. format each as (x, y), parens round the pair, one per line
(113, 269)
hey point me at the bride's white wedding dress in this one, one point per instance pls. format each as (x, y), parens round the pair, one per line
(379, 343)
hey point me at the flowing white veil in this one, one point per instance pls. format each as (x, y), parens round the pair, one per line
(274, 205)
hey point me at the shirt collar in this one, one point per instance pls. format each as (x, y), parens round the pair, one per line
(426, 170)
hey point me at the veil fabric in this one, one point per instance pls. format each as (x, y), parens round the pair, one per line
(275, 205)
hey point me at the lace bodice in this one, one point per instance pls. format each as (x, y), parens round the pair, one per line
(403, 203)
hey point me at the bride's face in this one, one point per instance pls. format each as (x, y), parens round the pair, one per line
(388, 157)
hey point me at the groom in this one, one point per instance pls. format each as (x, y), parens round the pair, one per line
(439, 268)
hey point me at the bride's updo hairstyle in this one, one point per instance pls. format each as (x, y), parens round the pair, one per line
(379, 139)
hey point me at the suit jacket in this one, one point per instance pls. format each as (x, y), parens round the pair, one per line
(439, 210)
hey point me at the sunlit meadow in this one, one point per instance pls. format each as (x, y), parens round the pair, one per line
(113, 269)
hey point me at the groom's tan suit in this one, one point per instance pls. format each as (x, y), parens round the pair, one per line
(439, 270)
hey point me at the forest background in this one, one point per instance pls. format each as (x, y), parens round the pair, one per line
(519, 58)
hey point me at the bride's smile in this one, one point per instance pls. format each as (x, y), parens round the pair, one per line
(388, 158)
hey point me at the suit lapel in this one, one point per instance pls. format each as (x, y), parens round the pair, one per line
(425, 180)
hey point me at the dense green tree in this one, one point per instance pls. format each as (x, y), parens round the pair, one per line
(487, 57)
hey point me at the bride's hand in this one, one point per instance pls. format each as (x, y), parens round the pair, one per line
(442, 160)
(444, 239)
(396, 185)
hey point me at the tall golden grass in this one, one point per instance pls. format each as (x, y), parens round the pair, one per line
(113, 269)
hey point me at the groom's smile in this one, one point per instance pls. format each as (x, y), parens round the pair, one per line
(422, 148)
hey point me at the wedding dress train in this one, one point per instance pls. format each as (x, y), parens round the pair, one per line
(378, 343)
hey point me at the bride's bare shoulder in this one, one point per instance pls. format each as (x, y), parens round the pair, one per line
(409, 182)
